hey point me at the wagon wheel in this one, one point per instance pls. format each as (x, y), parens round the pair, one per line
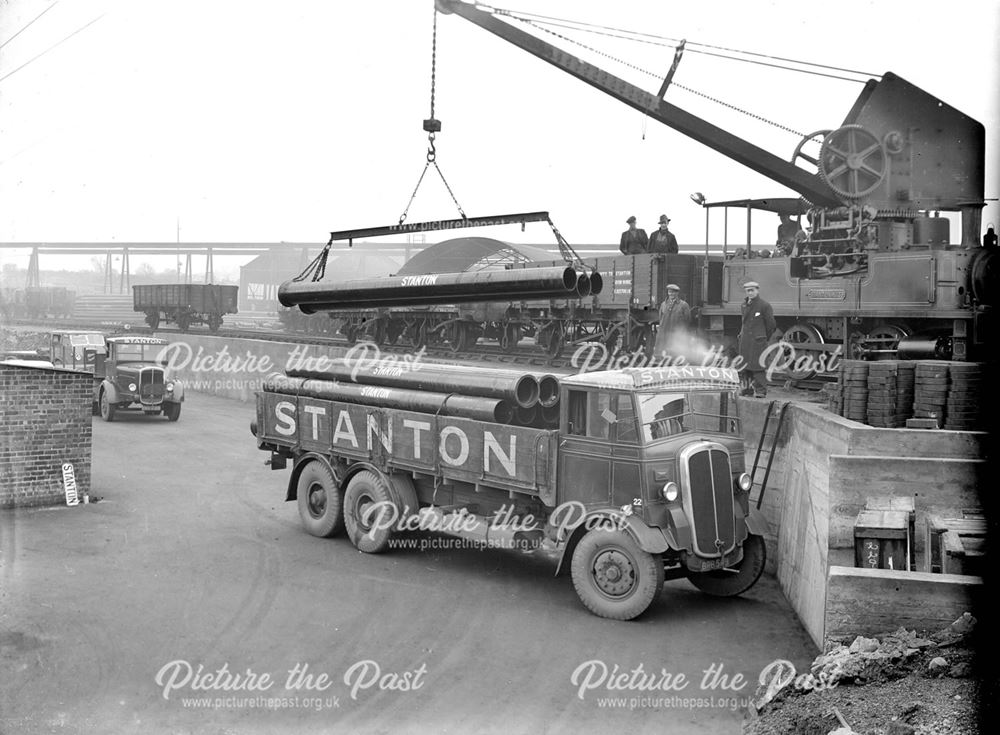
(855, 347)
(457, 335)
(852, 161)
(510, 335)
(643, 339)
(416, 333)
(214, 322)
(888, 336)
(552, 339)
(394, 329)
(800, 334)
(614, 340)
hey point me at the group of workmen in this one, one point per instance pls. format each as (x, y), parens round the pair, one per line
(673, 332)
(758, 327)
(635, 241)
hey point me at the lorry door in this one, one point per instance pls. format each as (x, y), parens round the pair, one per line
(585, 449)
(625, 476)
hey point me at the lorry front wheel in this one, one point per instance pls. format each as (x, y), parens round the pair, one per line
(738, 579)
(320, 504)
(613, 577)
(172, 411)
(107, 407)
(369, 512)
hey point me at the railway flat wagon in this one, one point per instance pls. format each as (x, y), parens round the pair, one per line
(185, 303)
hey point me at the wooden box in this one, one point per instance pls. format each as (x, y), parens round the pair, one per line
(882, 540)
(904, 503)
(955, 545)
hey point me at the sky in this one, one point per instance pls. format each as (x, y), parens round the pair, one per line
(266, 122)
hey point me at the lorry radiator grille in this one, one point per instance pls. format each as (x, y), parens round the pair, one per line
(711, 498)
(151, 385)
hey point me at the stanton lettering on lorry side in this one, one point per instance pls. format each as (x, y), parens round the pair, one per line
(407, 438)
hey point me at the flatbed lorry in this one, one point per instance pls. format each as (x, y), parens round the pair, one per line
(644, 479)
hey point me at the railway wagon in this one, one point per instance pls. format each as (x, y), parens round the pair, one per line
(185, 303)
(622, 315)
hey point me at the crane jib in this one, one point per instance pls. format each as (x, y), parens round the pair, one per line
(809, 185)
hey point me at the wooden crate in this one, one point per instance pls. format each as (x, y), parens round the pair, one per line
(904, 503)
(881, 540)
(955, 545)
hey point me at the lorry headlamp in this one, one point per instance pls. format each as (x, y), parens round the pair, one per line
(131, 386)
(671, 492)
(744, 482)
(169, 386)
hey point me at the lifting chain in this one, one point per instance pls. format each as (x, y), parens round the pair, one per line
(432, 126)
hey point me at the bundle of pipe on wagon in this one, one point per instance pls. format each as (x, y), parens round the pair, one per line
(515, 284)
(525, 398)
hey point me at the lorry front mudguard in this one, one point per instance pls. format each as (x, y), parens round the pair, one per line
(650, 539)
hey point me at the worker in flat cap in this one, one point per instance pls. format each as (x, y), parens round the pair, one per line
(675, 321)
(634, 240)
(758, 326)
(663, 240)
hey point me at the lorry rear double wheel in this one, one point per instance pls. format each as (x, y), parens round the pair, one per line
(613, 576)
(320, 505)
(369, 512)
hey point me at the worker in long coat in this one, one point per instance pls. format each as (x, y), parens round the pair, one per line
(758, 326)
(675, 321)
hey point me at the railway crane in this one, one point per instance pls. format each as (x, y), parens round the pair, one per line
(876, 270)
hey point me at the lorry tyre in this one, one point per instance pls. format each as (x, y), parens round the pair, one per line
(613, 576)
(320, 504)
(369, 533)
(172, 411)
(107, 407)
(736, 580)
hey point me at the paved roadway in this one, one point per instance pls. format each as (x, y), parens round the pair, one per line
(192, 556)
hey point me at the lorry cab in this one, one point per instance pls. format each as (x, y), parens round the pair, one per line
(76, 349)
(135, 377)
(665, 446)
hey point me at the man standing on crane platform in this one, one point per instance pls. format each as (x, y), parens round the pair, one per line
(634, 240)
(663, 240)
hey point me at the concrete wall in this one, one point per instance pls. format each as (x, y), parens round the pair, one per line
(45, 421)
(871, 601)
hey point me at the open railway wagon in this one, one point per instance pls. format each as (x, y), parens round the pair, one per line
(622, 314)
(37, 301)
(185, 304)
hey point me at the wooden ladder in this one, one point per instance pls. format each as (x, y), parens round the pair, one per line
(766, 446)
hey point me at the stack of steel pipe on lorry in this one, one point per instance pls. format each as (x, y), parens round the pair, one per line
(503, 396)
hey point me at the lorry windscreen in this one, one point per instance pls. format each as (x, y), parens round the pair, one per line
(666, 414)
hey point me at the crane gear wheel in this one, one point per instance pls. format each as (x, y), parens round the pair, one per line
(852, 161)
(798, 149)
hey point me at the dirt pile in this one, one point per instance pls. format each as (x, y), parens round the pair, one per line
(900, 683)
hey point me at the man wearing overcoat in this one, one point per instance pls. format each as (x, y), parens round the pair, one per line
(758, 326)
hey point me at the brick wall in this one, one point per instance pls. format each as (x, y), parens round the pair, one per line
(45, 420)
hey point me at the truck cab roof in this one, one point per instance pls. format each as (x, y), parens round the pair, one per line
(672, 377)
